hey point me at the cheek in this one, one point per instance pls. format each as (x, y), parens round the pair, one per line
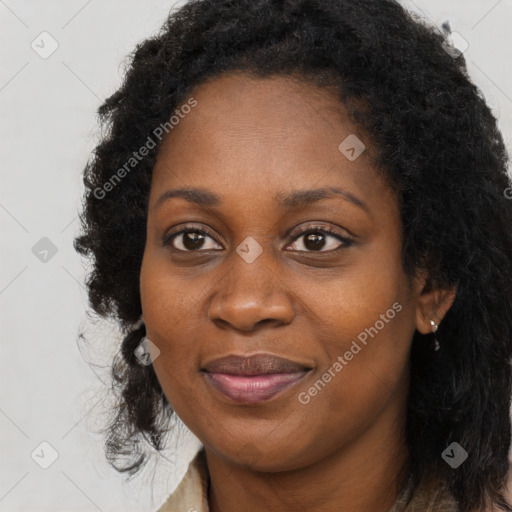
(368, 300)
(170, 309)
(363, 369)
(365, 323)
(168, 300)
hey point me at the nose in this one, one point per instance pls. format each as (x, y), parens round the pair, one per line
(251, 295)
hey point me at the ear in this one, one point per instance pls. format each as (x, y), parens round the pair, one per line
(432, 304)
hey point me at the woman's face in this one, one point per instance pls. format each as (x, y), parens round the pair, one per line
(263, 158)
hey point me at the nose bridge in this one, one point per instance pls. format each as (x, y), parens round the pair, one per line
(250, 291)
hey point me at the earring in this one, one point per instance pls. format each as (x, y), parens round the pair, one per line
(437, 346)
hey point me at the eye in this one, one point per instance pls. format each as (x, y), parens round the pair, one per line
(320, 239)
(315, 239)
(190, 239)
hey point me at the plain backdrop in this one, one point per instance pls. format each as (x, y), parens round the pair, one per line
(48, 393)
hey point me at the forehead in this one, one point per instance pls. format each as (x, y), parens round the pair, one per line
(273, 105)
(248, 134)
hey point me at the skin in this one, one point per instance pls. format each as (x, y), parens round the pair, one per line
(248, 140)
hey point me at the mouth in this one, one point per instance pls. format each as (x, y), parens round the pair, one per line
(253, 379)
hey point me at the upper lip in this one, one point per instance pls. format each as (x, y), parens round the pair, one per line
(256, 364)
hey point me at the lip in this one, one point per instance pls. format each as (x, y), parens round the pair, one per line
(253, 379)
(255, 364)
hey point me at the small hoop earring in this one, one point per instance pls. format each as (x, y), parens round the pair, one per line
(437, 346)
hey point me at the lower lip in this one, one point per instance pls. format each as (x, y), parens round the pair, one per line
(252, 389)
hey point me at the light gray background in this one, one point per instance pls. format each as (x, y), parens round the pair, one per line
(48, 129)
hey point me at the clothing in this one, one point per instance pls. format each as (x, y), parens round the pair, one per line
(191, 495)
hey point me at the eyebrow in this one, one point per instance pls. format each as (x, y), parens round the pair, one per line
(295, 199)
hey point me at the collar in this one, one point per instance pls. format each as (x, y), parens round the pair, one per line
(191, 495)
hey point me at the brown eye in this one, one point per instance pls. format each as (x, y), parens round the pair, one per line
(188, 240)
(320, 240)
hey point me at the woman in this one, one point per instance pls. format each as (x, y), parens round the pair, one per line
(299, 218)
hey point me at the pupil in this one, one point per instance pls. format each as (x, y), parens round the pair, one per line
(193, 240)
(314, 241)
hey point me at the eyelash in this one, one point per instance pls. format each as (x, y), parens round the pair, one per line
(346, 242)
(326, 231)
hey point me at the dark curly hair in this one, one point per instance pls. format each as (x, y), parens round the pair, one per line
(438, 145)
